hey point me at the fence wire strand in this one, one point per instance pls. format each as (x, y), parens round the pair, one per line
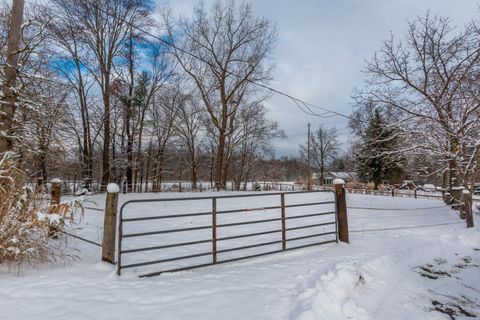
(407, 227)
(406, 209)
(80, 238)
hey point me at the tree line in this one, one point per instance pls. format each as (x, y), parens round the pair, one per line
(108, 91)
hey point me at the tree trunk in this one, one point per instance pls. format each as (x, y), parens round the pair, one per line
(158, 172)
(226, 166)
(219, 161)
(212, 163)
(106, 143)
(43, 165)
(8, 108)
(194, 176)
(129, 171)
(147, 169)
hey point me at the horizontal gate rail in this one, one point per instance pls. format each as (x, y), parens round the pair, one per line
(310, 215)
(311, 236)
(153, 274)
(232, 238)
(242, 195)
(312, 244)
(248, 210)
(247, 235)
(184, 215)
(166, 260)
(308, 204)
(311, 226)
(150, 233)
(233, 224)
(214, 226)
(250, 246)
(181, 244)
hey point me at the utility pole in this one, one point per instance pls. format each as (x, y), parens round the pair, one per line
(309, 169)
(9, 98)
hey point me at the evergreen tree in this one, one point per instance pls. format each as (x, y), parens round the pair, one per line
(378, 158)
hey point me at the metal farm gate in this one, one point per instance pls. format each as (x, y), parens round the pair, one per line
(177, 234)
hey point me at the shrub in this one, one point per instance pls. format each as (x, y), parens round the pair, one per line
(26, 220)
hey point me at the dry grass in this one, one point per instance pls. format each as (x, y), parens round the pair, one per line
(26, 221)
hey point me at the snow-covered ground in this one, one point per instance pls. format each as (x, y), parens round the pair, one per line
(425, 262)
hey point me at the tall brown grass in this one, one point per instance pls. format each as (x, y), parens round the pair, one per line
(24, 220)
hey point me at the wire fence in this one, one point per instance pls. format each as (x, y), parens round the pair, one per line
(407, 227)
(414, 212)
(94, 209)
(397, 193)
(95, 187)
(80, 238)
(404, 209)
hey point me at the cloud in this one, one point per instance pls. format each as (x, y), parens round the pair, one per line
(321, 50)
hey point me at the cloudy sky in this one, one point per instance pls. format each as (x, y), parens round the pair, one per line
(321, 49)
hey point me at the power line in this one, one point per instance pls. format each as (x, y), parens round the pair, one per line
(306, 105)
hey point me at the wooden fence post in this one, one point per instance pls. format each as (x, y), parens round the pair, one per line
(456, 194)
(56, 192)
(110, 223)
(447, 198)
(341, 209)
(467, 200)
(415, 193)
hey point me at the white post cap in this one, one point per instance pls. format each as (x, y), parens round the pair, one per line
(338, 181)
(113, 188)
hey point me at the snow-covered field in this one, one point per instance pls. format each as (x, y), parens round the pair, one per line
(425, 262)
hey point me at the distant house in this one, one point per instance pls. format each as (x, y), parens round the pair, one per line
(329, 176)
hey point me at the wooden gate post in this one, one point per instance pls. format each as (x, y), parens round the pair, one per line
(110, 223)
(56, 192)
(467, 200)
(341, 210)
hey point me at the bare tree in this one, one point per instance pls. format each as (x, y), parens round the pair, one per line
(250, 142)
(45, 131)
(189, 125)
(427, 79)
(227, 50)
(163, 117)
(324, 148)
(106, 27)
(71, 66)
(137, 94)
